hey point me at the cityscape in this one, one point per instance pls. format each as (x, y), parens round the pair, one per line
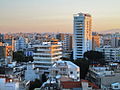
(77, 53)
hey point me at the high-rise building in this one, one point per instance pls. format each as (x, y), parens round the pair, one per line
(95, 40)
(66, 40)
(46, 54)
(82, 35)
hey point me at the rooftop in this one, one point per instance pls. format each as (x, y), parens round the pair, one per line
(77, 84)
(69, 63)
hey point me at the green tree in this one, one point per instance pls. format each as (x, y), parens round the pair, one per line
(84, 66)
(94, 57)
(44, 78)
(28, 58)
(18, 56)
(35, 84)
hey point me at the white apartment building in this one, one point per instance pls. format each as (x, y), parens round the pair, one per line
(30, 73)
(82, 41)
(110, 54)
(46, 54)
(65, 69)
(111, 39)
(20, 44)
(105, 76)
(9, 84)
(115, 40)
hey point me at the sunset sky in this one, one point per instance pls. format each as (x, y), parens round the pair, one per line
(56, 15)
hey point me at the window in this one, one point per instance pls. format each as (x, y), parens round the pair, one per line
(71, 72)
(115, 86)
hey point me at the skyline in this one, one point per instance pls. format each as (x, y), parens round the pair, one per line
(56, 15)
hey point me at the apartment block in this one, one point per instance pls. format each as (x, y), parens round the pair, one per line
(110, 53)
(46, 54)
(82, 41)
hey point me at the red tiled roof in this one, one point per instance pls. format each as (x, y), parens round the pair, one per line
(76, 84)
(71, 84)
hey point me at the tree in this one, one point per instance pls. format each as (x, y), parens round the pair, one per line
(28, 58)
(44, 78)
(35, 84)
(84, 67)
(20, 57)
(94, 57)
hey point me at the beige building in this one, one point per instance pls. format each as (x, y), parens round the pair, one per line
(66, 40)
(46, 54)
(95, 41)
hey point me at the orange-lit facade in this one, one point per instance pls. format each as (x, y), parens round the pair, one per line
(82, 41)
(46, 54)
(95, 41)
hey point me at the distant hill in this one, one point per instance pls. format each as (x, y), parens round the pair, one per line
(110, 31)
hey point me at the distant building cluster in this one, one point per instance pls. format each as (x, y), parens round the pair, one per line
(48, 51)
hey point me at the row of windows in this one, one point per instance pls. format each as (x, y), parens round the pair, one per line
(79, 34)
(78, 20)
(79, 55)
(78, 23)
(79, 52)
(79, 31)
(56, 51)
(79, 39)
(79, 44)
(47, 55)
(43, 51)
(47, 47)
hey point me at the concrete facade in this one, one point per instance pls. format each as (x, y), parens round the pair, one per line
(82, 41)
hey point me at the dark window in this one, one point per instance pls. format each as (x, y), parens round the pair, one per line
(71, 72)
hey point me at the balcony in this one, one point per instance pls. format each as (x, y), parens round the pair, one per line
(42, 66)
(41, 54)
(42, 58)
(43, 49)
(42, 62)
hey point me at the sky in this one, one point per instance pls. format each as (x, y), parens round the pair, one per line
(56, 15)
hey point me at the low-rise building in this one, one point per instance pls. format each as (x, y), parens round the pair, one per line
(105, 76)
(62, 73)
(110, 54)
(115, 86)
(8, 84)
(65, 69)
(30, 73)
